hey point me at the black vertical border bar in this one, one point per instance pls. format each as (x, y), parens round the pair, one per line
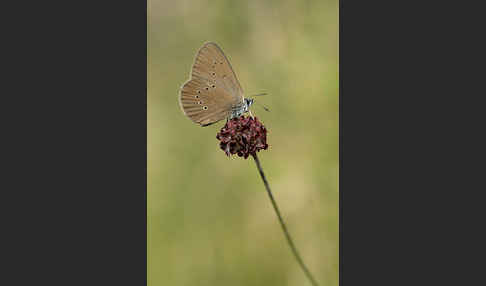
(387, 120)
(75, 100)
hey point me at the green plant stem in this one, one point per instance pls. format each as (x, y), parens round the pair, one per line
(282, 224)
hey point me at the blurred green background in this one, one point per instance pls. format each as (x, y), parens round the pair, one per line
(210, 221)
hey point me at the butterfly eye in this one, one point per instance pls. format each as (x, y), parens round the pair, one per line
(205, 107)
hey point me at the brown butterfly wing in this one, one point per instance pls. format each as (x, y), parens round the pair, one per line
(213, 89)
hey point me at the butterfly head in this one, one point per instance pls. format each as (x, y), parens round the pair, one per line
(248, 103)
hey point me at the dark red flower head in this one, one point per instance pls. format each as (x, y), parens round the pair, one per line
(243, 136)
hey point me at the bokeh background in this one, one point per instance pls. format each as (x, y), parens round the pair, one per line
(210, 221)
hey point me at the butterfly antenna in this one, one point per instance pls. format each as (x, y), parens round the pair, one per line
(260, 94)
(266, 109)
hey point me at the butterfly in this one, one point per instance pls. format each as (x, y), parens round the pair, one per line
(213, 92)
